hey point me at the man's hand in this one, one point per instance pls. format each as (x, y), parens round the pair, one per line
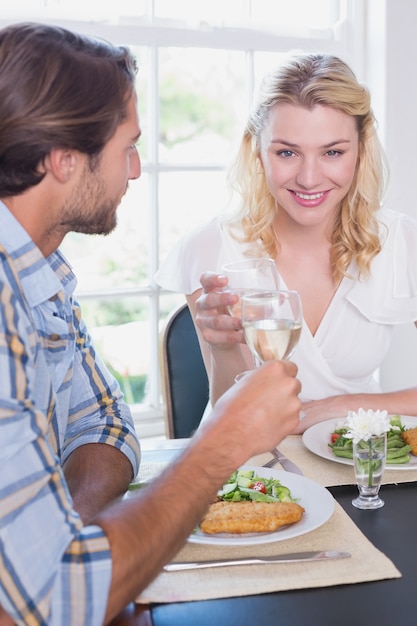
(255, 414)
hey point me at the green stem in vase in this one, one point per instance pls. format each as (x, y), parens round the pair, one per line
(371, 464)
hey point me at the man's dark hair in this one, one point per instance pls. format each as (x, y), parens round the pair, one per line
(58, 89)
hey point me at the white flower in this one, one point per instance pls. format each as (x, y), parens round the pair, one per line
(365, 424)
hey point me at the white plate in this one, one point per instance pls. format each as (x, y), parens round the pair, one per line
(316, 500)
(317, 437)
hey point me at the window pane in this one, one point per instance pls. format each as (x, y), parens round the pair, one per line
(200, 10)
(136, 8)
(264, 62)
(300, 13)
(201, 96)
(169, 302)
(186, 200)
(314, 14)
(143, 90)
(79, 9)
(120, 330)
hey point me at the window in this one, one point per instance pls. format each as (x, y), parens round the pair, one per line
(199, 65)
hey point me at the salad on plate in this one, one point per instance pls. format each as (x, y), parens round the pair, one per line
(398, 451)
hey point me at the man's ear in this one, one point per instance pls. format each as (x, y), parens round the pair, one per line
(60, 162)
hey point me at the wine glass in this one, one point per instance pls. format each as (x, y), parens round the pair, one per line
(272, 323)
(250, 276)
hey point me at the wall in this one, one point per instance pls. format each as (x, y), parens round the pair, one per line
(391, 53)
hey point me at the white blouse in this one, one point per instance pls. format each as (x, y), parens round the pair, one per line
(355, 332)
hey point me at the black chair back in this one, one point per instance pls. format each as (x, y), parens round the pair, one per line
(184, 377)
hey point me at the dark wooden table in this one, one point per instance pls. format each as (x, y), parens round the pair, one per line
(392, 529)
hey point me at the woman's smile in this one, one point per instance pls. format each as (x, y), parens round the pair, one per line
(309, 199)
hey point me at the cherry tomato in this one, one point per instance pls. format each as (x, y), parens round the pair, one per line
(334, 437)
(259, 486)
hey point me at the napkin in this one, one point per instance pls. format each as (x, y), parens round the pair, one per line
(367, 563)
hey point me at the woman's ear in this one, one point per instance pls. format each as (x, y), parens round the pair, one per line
(259, 159)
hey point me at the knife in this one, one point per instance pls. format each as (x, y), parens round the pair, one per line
(285, 463)
(280, 558)
(288, 465)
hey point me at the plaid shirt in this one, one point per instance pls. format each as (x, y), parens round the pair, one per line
(55, 395)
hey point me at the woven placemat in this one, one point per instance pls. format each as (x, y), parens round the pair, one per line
(367, 563)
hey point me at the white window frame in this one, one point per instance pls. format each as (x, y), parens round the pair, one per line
(345, 39)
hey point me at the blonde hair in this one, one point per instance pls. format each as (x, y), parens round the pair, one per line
(309, 80)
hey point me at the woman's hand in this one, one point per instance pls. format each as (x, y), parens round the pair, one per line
(221, 337)
(218, 327)
(328, 408)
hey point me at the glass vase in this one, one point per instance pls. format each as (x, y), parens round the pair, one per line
(369, 459)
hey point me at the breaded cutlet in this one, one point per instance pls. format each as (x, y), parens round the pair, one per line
(250, 517)
(410, 438)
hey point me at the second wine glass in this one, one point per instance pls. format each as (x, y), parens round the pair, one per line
(272, 323)
(250, 276)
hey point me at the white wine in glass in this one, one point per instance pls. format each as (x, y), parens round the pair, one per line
(250, 276)
(272, 323)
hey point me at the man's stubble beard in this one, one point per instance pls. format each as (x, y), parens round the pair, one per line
(90, 210)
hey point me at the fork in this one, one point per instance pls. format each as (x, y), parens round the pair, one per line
(273, 461)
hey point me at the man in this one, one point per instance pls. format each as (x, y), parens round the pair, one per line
(70, 553)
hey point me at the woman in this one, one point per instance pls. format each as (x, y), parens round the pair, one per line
(310, 175)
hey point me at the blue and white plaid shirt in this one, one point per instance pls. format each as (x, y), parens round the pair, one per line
(55, 395)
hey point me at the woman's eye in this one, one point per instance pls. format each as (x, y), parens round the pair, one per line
(334, 153)
(285, 153)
